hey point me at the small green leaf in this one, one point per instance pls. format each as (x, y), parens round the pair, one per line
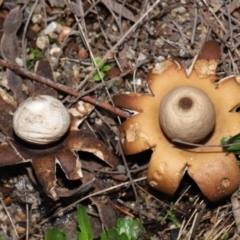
(123, 236)
(84, 224)
(112, 234)
(105, 68)
(130, 227)
(172, 217)
(103, 235)
(99, 62)
(234, 149)
(225, 140)
(54, 234)
(37, 53)
(232, 140)
(1, 238)
(97, 77)
(82, 236)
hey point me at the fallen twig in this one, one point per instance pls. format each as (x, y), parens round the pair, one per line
(63, 88)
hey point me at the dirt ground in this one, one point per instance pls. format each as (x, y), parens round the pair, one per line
(59, 43)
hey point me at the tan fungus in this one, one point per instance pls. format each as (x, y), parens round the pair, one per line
(215, 172)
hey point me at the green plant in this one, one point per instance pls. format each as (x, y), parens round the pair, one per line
(153, 238)
(170, 216)
(37, 54)
(234, 141)
(126, 229)
(54, 234)
(97, 76)
(83, 224)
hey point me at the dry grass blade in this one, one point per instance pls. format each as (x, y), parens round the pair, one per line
(10, 218)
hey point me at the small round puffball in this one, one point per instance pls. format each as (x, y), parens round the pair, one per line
(41, 120)
(187, 114)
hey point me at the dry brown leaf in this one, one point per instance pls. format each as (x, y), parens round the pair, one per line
(233, 6)
(13, 21)
(15, 84)
(106, 210)
(10, 50)
(9, 47)
(120, 9)
(43, 68)
(75, 9)
(57, 3)
(44, 160)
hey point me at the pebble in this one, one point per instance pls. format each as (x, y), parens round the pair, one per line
(37, 18)
(52, 27)
(42, 42)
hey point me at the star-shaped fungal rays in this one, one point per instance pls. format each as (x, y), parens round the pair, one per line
(63, 152)
(215, 172)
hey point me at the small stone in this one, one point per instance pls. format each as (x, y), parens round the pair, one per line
(36, 28)
(64, 32)
(82, 53)
(54, 50)
(42, 42)
(37, 18)
(19, 61)
(52, 27)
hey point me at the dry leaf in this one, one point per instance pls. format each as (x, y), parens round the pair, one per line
(15, 84)
(44, 69)
(119, 8)
(57, 3)
(75, 9)
(9, 47)
(107, 211)
(13, 21)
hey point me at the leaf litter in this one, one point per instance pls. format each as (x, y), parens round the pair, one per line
(118, 32)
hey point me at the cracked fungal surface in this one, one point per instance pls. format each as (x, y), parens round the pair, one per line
(215, 172)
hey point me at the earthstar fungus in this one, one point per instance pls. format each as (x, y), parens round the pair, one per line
(46, 132)
(215, 172)
(45, 157)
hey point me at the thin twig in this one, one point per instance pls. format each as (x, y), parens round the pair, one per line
(198, 218)
(236, 209)
(215, 16)
(131, 180)
(91, 195)
(63, 88)
(13, 225)
(124, 36)
(27, 220)
(24, 51)
(194, 23)
(133, 208)
(205, 145)
(230, 24)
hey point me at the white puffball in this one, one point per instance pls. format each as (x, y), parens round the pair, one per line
(187, 113)
(41, 120)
